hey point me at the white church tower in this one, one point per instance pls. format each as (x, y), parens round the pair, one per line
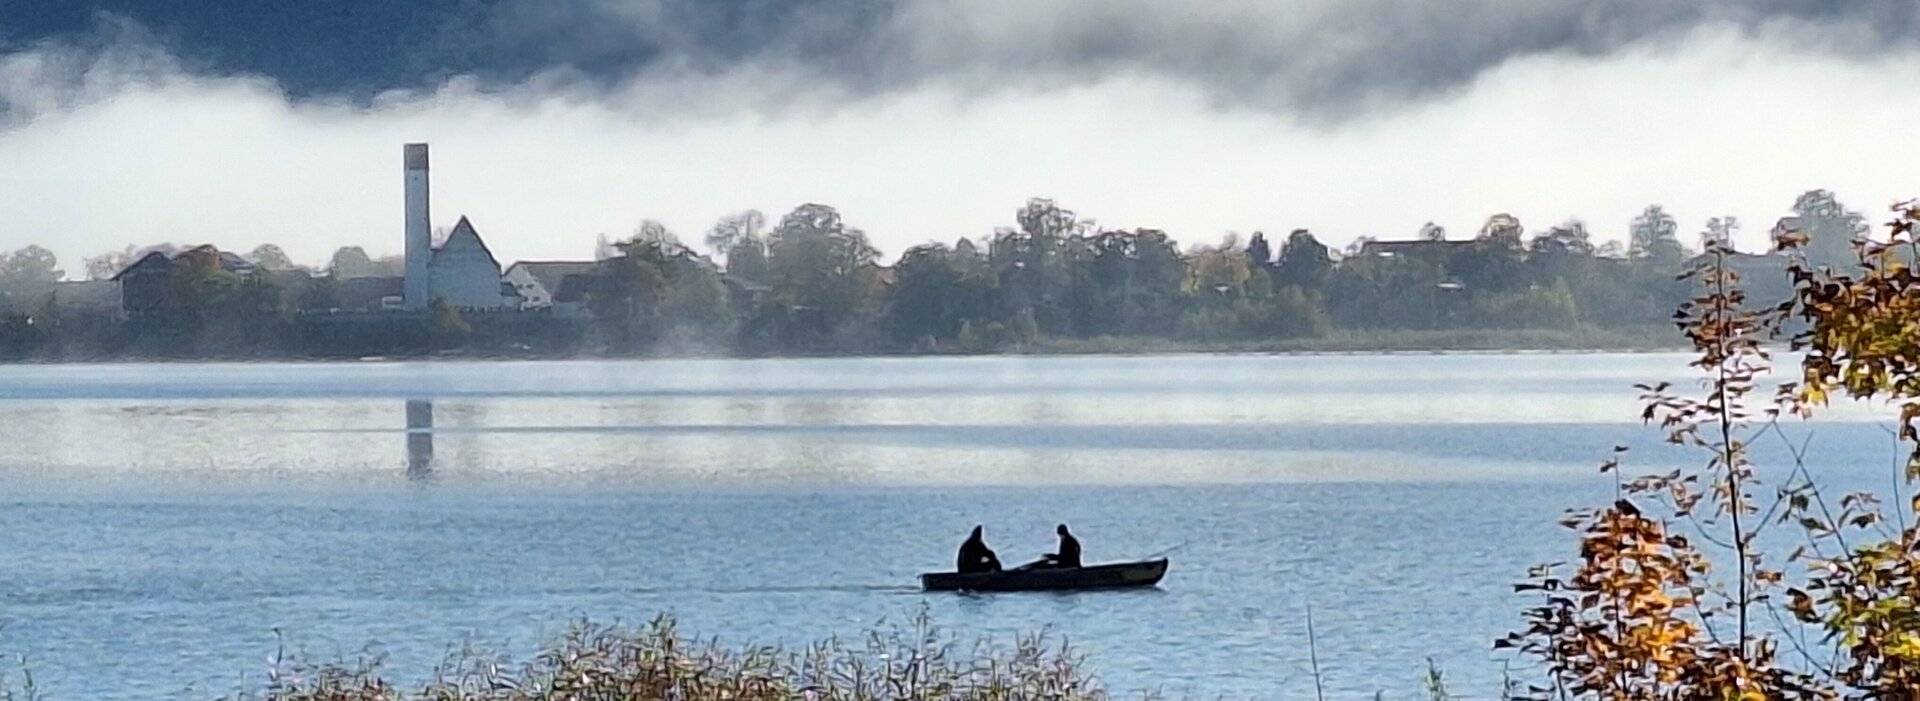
(418, 286)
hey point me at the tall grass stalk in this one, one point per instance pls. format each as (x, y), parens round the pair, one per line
(1313, 658)
(608, 663)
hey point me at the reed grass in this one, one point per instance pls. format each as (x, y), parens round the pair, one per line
(919, 662)
(655, 662)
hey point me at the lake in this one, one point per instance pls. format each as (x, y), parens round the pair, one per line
(164, 526)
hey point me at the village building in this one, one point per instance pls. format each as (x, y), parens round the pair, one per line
(143, 284)
(1413, 248)
(463, 272)
(539, 282)
(460, 270)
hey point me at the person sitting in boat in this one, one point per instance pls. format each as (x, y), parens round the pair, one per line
(975, 556)
(1069, 555)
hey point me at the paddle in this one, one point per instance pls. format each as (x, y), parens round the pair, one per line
(1168, 551)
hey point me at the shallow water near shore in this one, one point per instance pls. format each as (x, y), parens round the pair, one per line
(164, 522)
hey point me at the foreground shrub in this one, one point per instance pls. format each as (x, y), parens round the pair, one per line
(1635, 619)
(1644, 616)
(609, 663)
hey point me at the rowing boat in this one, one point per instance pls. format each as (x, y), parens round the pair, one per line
(1114, 576)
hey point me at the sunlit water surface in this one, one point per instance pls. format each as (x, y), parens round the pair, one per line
(159, 523)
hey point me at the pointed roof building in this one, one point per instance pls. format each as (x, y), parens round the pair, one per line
(464, 272)
(465, 238)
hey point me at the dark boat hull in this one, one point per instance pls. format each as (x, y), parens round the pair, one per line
(1117, 576)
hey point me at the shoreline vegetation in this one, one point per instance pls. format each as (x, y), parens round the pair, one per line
(812, 285)
(1579, 340)
(917, 661)
(1673, 595)
(1409, 342)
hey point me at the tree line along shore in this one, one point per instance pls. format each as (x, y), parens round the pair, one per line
(812, 284)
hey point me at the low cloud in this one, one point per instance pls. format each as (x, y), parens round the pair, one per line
(120, 141)
(1322, 59)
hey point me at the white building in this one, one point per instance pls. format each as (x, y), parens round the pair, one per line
(464, 272)
(538, 282)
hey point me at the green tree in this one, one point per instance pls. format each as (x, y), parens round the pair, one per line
(450, 329)
(654, 288)
(736, 229)
(1036, 263)
(109, 264)
(937, 290)
(352, 262)
(652, 232)
(697, 303)
(270, 257)
(1381, 292)
(1259, 252)
(319, 294)
(741, 241)
(1502, 231)
(1496, 261)
(1295, 313)
(22, 334)
(1536, 307)
(1720, 231)
(206, 308)
(1133, 283)
(1562, 253)
(748, 259)
(30, 272)
(1568, 239)
(1221, 271)
(1653, 239)
(1829, 228)
(627, 295)
(1303, 260)
(825, 281)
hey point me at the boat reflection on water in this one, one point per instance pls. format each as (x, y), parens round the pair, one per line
(419, 439)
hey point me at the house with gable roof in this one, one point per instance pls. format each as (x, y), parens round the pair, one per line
(539, 282)
(463, 271)
(143, 283)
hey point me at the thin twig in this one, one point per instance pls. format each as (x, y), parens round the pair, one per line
(1313, 657)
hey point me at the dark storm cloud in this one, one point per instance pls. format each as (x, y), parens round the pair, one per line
(56, 73)
(1304, 55)
(1318, 57)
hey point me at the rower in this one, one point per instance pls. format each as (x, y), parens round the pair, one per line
(1069, 555)
(975, 556)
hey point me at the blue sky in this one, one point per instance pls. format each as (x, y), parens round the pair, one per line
(240, 122)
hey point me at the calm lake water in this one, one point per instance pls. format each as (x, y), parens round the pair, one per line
(159, 523)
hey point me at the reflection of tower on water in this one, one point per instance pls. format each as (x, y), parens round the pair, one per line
(419, 438)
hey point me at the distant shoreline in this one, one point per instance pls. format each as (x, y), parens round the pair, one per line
(1388, 343)
(1581, 341)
